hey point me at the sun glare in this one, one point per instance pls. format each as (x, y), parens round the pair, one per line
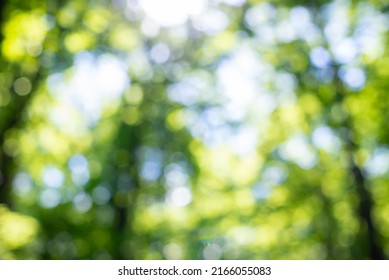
(172, 12)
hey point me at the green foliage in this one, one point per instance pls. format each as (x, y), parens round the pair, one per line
(229, 130)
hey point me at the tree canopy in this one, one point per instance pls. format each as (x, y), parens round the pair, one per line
(199, 129)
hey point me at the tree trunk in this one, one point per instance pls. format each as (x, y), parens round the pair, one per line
(367, 234)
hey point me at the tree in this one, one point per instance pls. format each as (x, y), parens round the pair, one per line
(225, 129)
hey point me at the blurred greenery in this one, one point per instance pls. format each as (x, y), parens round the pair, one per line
(198, 129)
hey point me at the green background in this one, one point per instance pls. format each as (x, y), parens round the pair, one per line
(223, 129)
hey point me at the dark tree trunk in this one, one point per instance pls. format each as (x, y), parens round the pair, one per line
(11, 116)
(4, 159)
(124, 199)
(368, 246)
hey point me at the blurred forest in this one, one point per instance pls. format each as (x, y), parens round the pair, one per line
(196, 129)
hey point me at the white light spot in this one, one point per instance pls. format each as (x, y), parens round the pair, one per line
(149, 28)
(175, 175)
(242, 235)
(238, 81)
(297, 149)
(78, 165)
(212, 252)
(52, 177)
(211, 22)
(151, 170)
(300, 17)
(320, 57)
(353, 77)
(285, 31)
(270, 177)
(285, 81)
(265, 104)
(236, 3)
(160, 53)
(94, 83)
(22, 183)
(337, 18)
(324, 138)
(244, 142)
(101, 195)
(169, 13)
(378, 163)
(82, 202)
(345, 51)
(261, 191)
(273, 175)
(187, 91)
(152, 163)
(50, 198)
(259, 15)
(180, 196)
(172, 251)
